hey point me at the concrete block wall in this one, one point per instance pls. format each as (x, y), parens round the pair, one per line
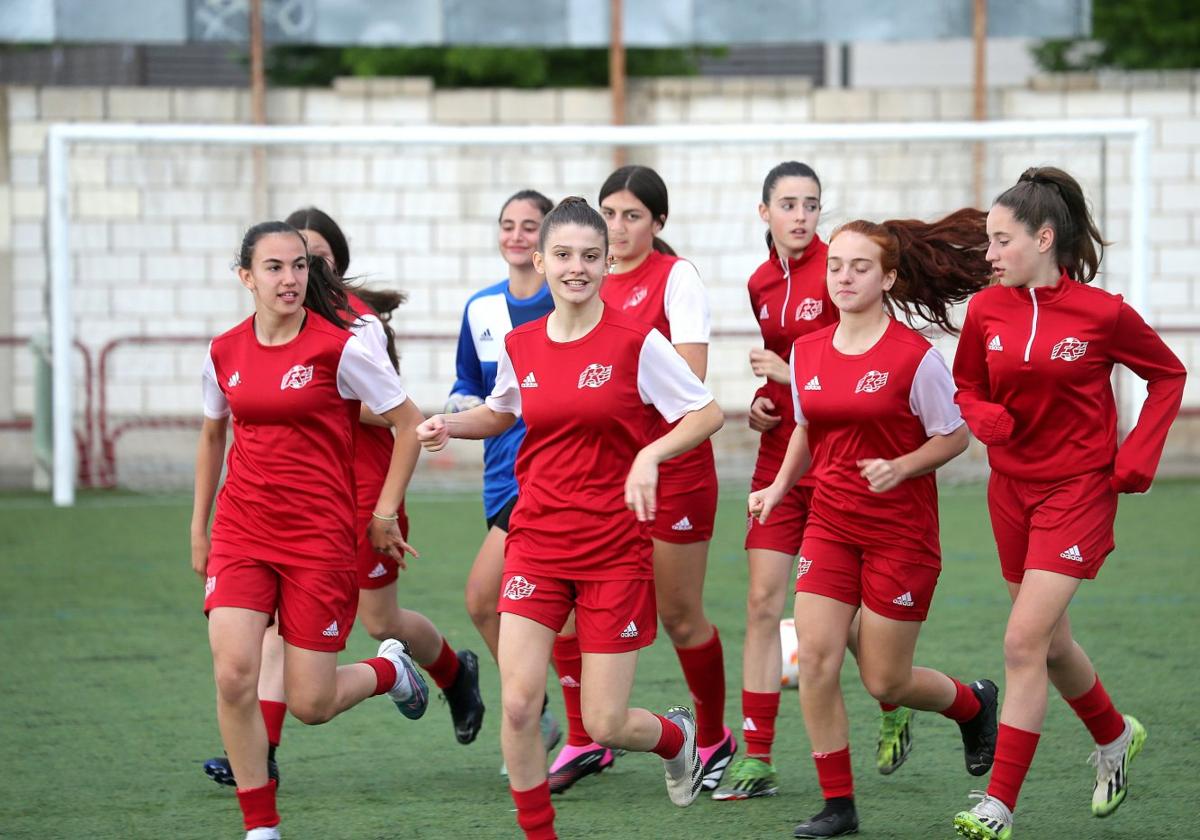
(155, 228)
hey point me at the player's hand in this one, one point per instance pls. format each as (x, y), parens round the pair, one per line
(641, 488)
(200, 549)
(433, 433)
(761, 418)
(462, 402)
(768, 363)
(386, 539)
(761, 502)
(881, 475)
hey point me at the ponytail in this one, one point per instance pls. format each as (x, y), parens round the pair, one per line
(663, 248)
(1046, 195)
(326, 295)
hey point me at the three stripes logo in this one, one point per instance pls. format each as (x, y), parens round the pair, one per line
(813, 384)
(1072, 554)
(684, 524)
(486, 335)
(379, 571)
(630, 631)
(234, 380)
(530, 381)
(905, 600)
(764, 313)
(995, 346)
(331, 630)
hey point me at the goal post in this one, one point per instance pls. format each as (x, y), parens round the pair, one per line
(61, 137)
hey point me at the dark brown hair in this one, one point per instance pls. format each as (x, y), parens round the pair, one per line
(534, 197)
(1046, 195)
(572, 210)
(647, 187)
(937, 264)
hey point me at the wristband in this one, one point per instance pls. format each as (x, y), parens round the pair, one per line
(394, 517)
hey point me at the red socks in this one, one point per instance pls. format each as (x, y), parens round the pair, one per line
(1098, 714)
(965, 706)
(704, 671)
(258, 806)
(1014, 753)
(670, 742)
(273, 714)
(444, 669)
(568, 661)
(833, 772)
(535, 814)
(760, 708)
(385, 673)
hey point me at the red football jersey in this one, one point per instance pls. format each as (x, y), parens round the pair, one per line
(1034, 369)
(586, 405)
(789, 301)
(880, 404)
(665, 293)
(288, 496)
(373, 444)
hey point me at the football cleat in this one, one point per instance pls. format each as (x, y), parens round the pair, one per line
(979, 733)
(895, 739)
(748, 778)
(683, 772)
(573, 763)
(464, 699)
(714, 760)
(221, 772)
(837, 819)
(409, 693)
(990, 819)
(1112, 767)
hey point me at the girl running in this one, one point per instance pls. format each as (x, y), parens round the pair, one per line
(587, 381)
(650, 283)
(1034, 368)
(875, 417)
(456, 674)
(283, 538)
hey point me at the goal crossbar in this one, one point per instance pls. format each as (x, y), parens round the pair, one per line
(60, 136)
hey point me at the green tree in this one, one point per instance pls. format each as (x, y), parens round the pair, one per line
(1130, 35)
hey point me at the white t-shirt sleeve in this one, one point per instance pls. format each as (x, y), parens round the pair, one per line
(369, 329)
(363, 375)
(686, 305)
(216, 407)
(506, 393)
(932, 395)
(665, 380)
(800, 419)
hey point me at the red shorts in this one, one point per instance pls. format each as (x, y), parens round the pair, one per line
(316, 606)
(375, 570)
(896, 583)
(784, 528)
(686, 511)
(611, 616)
(1062, 526)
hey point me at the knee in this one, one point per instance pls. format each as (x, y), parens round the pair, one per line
(237, 681)
(681, 625)
(885, 687)
(818, 664)
(481, 602)
(763, 607)
(522, 707)
(376, 625)
(606, 726)
(1024, 649)
(312, 711)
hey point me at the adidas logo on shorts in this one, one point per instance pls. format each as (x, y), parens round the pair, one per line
(379, 571)
(530, 381)
(630, 631)
(994, 345)
(1073, 554)
(813, 384)
(904, 600)
(684, 524)
(763, 314)
(331, 630)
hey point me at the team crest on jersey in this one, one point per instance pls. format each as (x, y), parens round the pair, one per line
(297, 377)
(872, 381)
(1069, 349)
(518, 588)
(595, 375)
(809, 309)
(636, 297)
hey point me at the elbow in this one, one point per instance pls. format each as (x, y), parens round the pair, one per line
(717, 419)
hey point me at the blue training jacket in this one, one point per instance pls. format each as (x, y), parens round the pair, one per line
(489, 315)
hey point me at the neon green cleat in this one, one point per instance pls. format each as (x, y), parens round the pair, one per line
(748, 778)
(895, 739)
(1112, 767)
(990, 819)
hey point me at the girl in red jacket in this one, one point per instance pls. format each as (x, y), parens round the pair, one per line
(1033, 369)
(875, 417)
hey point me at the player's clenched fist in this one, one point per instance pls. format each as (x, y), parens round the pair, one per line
(761, 502)
(433, 433)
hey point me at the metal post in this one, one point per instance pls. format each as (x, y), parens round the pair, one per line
(258, 106)
(61, 319)
(979, 151)
(616, 74)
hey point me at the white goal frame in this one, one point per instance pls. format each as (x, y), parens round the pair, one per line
(60, 136)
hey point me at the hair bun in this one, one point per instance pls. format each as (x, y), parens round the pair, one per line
(573, 201)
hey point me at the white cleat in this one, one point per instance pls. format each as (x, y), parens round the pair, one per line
(685, 776)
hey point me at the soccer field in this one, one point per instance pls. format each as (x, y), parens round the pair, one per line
(107, 710)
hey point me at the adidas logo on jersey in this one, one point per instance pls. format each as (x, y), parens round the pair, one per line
(331, 630)
(764, 313)
(595, 375)
(518, 588)
(379, 571)
(1069, 349)
(809, 309)
(296, 378)
(234, 380)
(994, 345)
(486, 335)
(684, 524)
(1072, 553)
(530, 381)
(630, 631)
(813, 384)
(904, 600)
(871, 382)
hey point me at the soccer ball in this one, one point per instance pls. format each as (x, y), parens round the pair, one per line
(790, 675)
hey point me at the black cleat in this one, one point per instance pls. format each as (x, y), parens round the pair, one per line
(466, 703)
(979, 733)
(837, 819)
(220, 771)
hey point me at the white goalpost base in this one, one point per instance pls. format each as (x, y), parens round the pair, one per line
(61, 136)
